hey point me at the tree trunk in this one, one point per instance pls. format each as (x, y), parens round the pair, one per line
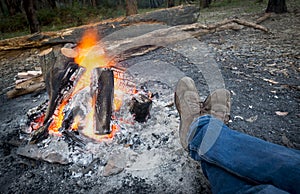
(204, 3)
(93, 2)
(52, 4)
(131, 7)
(31, 16)
(277, 6)
(13, 6)
(171, 3)
(2, 8)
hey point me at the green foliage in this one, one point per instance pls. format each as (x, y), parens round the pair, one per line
(57, 19)
(12, 24)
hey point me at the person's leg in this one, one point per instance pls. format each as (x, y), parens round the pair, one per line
(242, 159)
(223, 182)
(232, 161)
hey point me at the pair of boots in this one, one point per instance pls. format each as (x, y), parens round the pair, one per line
(190, 107)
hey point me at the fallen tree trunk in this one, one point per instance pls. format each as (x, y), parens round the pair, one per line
(171, 16)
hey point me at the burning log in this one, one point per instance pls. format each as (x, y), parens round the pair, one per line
(104, 101)
(57, 70)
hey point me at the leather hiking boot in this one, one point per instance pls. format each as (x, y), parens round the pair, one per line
(187, 102)
(218, 104)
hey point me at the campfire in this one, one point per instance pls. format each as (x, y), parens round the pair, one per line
(86, 92)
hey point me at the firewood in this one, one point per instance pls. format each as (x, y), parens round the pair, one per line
(18, 81)
(103, 82)
(57, 69)
(28, 83)
(34, 84)
(140, 106)
(28, 74)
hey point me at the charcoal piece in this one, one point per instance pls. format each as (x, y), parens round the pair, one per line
(104, 92)
(68, 120)
(73, 138)
(36, 112)
(140, 106)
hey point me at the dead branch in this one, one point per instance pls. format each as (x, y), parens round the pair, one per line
(263, 18)
(250, 24)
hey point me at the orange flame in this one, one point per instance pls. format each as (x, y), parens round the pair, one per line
(76, 122)
(90, 55)
(58, 117)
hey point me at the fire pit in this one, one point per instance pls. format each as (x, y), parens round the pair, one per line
(141, 156)
(86, 89)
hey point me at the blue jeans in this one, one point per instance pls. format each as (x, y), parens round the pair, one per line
(235, 162)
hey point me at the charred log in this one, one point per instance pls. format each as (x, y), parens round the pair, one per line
(57, 70)
(140, 106)
(73, 138)
(104, 100)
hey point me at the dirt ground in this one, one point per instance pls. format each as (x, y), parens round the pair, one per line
(260, 69)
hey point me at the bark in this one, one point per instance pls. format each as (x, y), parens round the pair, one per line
(204, 3)
(277, 6)
(31, 16)
(172, 17)
(131, 7)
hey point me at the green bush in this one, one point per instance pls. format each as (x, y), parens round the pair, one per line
(13, 24)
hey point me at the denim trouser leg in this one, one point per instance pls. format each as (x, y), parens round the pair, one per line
(223, 182)
(244, 160)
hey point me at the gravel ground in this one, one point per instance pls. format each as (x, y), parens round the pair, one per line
(261, 71)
